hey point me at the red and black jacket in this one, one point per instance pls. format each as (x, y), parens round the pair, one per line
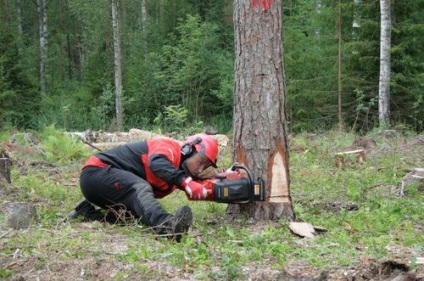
(156, 160)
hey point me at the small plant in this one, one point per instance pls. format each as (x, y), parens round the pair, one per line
(59, 147)
(5, 273)
(174, 118)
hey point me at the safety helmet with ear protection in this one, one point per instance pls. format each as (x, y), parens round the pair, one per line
(204, 144)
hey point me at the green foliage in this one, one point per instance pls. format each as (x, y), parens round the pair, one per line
(59, 147)
(191, 73)
(181, 53)
(4, 273)
(175, 117)
(310, 59)
(407, 69)
(105, 108)
(19, 102)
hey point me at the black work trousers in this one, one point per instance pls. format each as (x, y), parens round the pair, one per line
(112, 188)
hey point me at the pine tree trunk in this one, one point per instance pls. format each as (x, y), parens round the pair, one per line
(118, 65)
(384, 84)
(260, 127)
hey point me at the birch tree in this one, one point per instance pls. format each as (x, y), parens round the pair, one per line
(339, 63)
(384, 83)
(260, 127)
(43, 39)
(117, 65)
(19, 20)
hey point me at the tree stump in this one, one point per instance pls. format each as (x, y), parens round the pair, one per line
(20, 215)
(341, 157)
(415, 176)
(5, 169)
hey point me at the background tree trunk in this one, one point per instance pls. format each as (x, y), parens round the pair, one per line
(384, 83)
(19, 20)
(118, 66)
(143, 17)
(260, 129)
(42, 31)
(339, 64)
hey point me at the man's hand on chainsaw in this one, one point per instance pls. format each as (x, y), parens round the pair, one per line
(194, 189)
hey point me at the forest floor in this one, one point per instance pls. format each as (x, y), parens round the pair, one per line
(55, 249)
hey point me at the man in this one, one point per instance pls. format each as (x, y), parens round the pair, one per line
(133, 176)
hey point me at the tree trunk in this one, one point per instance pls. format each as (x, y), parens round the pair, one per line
(20, 26)
(143, 19)
(118, 66)
(5, 169)
(228, 11)
(260, 128)
(339, 63)
(384, 84)
(42, 31)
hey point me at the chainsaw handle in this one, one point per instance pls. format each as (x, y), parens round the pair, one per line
(236, 166)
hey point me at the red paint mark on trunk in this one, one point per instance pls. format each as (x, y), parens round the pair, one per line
(264, 4)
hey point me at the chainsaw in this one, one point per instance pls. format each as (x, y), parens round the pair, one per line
(235, 186)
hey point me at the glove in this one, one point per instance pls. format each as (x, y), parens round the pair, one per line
(194, 189)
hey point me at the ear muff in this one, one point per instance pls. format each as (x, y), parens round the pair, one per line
(187, 148)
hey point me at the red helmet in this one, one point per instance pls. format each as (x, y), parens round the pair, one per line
(207, 146)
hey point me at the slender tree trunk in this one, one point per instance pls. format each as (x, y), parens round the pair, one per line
(77, 53)
(42, 30)
(118, 66)
(20, 25)
(228, 11)
(143, 18)
(143, 23)
(260, 127)
(339, 63)
(159, 16)
(69, 55)
(384, 84)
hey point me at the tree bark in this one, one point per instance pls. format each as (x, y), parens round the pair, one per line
(143, 18)
(260, 127)
(118, 65)
(42, 31)
(5, 169)
(384, 83)
(20, 25)
(339, 63)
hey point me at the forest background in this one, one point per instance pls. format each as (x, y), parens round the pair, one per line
(178, 76)
(178, 64)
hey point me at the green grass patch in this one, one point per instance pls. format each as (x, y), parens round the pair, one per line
(360, 206)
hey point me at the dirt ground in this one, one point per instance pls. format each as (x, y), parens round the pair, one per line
(105, 266)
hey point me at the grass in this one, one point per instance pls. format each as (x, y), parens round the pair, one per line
(230, 250)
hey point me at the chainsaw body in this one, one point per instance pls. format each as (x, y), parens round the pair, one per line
(235, 186)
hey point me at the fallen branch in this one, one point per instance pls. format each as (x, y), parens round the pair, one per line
(90, 144)
(7, 232)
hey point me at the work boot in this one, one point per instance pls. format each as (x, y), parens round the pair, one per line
(175, 226)
(89, 212)
(182, 220)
